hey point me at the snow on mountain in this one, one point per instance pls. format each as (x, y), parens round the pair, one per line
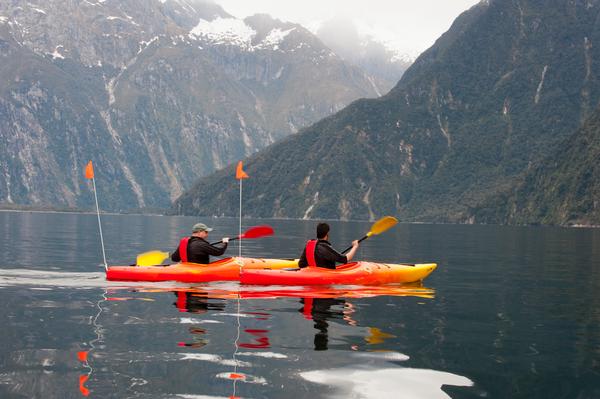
(224, 31)
(235, 32)
(275, 37)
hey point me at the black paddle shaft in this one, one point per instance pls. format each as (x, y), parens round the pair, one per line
(231, 239)
(350, 247)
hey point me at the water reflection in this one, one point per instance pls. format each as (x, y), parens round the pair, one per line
(320, 305)
(320, 310)
(369, 382)
(197, 302)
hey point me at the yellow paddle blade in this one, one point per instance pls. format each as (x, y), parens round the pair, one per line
(151, 258)
(376, 336)
(382, 225)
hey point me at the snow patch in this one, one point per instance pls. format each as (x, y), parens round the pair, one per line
(56, 54)
(275, 37)
(224, 31)
(235, 32)
(39, 10)
(144, 44)
(127, 19)
(3, 19)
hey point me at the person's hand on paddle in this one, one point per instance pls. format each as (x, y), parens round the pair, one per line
(225, 240)
(355, 245)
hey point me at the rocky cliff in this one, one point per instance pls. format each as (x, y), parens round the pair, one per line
(156, 92)
(496, 95)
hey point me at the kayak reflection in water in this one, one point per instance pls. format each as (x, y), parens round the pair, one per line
(320, 253)
(320, 310)
(196, 302)
(195, 249)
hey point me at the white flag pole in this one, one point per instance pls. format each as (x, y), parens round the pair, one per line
(240, 229)
(99, 225)
(89, 174)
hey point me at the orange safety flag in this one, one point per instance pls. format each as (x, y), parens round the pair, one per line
(82, 388)
(82, 356)
(89, 171)
(239, 172)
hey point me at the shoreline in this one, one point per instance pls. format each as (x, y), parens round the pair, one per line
(91, 212)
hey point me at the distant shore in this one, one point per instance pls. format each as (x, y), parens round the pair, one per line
(163, 212)
(49, 209)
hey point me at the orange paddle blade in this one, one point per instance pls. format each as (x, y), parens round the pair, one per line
(89, 171)
(239, 172)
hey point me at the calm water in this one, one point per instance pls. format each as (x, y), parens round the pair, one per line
(509, 313)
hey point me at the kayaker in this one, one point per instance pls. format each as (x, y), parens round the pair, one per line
(321, 253)
(196, 249)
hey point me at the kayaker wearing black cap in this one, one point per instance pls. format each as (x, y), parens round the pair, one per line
(196, 249)
(320, 253)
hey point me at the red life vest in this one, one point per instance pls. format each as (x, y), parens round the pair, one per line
(307, 310)
(311, 246)
(183, 244)
(182, 301)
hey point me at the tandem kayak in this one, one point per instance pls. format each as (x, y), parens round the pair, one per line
(227, 269)
(356, 273)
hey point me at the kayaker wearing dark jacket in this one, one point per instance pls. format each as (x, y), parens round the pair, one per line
(196, 249)
(321, 253)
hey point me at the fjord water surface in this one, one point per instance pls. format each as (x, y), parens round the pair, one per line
(510, 312)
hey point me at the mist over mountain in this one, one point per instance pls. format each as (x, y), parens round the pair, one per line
(362, 49)
(496, 95)
(155, 92)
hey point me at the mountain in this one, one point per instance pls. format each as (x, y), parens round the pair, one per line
(361, 48)
(156, 92)
(496, 94)
(562, 190)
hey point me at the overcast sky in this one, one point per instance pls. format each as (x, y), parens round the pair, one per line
(411, 25)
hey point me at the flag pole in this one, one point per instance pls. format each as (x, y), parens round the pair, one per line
(89, 173)
(240, 241)
(240, 175)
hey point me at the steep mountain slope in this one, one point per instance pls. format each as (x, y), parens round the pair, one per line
(156, 92)
(495, 94)
(562, 190)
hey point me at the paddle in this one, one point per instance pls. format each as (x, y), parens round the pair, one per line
(156, 257)
(252, 232)
(378, 227)
(151, 258)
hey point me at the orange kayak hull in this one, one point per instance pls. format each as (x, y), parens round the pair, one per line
(227, 269)
(356, 273)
